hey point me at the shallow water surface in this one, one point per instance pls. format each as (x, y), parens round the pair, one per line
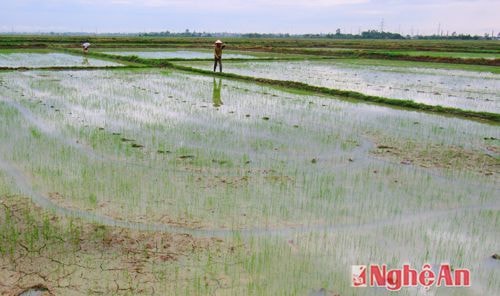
(292, 175)
(478, 91)
(34, 60)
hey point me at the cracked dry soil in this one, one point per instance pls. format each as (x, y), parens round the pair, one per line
(59, 256)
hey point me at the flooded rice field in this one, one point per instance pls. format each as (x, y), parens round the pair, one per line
(462, 55)
(470, 90)
(259, 190)
(37, 60)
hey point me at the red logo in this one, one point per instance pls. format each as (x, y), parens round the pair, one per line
(395, 279)
(359, 275)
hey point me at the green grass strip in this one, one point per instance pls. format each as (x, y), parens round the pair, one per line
(432, 59)
(386, 56)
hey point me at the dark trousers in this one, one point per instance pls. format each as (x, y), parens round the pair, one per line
(218, 60)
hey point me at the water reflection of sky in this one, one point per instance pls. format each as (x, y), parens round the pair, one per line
(49, 60)
(479, 91)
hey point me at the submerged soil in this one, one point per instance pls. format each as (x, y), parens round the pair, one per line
(439, 156)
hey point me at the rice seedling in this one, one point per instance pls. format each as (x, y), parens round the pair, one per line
(467, 90)
(295, 187)
(49, 59)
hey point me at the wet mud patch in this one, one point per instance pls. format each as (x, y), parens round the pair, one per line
(114, 211)
(249, 178)
(409, 152)
(163, 151)
(220, 161)
(213, 182)
(186, 157)
(492, 145)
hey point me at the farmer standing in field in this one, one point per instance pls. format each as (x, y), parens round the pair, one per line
(218, 47)
(85, 47)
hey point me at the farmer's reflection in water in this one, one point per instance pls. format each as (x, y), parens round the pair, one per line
(85, 62)
(216, 94)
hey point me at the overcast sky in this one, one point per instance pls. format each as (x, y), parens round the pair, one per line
(290, 16)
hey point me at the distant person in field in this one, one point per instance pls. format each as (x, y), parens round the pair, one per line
(85, 47)
(218, 47)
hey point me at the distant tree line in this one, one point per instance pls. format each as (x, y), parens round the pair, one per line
(455, 36)
(337, 35)
(370, 34)
(186, 33)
